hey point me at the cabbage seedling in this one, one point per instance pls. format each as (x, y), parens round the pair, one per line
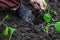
(47, 17)
(6, 31)
(12, 31)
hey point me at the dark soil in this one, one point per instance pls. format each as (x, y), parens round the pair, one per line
(29, 31)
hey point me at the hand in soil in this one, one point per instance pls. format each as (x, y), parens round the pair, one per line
(38, 4)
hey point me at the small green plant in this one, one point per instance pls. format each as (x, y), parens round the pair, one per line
(47, 17)
(6, 17)
(7, 29)
(12, 31)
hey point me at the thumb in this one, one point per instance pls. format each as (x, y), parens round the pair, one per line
(42, 4)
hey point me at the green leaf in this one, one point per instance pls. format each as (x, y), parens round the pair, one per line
(54, 12)
(57, 26)
(47, 17)
(12, 29)
(6, 31)
(6, 17)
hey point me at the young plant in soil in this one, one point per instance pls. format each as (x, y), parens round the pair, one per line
(47, 17)
(7, 29)
(12, 31)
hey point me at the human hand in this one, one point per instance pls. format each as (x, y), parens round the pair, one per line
(38, 4)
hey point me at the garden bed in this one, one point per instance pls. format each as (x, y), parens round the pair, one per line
(28, 31)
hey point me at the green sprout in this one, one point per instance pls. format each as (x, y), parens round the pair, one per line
(12, 31)
(47, 17)
(6, 17)
(7, 29)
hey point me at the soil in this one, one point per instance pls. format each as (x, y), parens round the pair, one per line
(29, 31)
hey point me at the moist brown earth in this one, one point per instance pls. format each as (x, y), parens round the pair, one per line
(28, 31)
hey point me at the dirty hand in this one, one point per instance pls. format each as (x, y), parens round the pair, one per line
(38, 4)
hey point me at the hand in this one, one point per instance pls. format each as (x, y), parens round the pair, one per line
(38, 4)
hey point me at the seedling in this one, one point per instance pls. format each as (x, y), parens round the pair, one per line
(47, 17)
(6, 17)
(6, 31)
(12, 31)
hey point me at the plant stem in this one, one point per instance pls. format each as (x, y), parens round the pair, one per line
(2, 21)
(47, 28)
(51, 25)
(10, 36)
(4, 24)
(43, 28)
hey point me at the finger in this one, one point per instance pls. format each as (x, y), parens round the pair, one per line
(36, 6)
(44, 2)
(42, 5)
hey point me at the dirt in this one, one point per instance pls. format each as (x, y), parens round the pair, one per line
(28, 31)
